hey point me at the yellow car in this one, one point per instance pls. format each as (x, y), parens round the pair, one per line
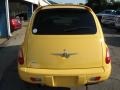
(64, 47)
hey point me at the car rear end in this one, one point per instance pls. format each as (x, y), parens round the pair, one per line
(108, 19)
(15, 24)
(64, 47)
(117, 22)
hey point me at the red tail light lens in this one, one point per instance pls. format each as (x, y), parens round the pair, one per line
(95, 78)
(35, 79)
(20, 57)
(13, 21)
(108, 58)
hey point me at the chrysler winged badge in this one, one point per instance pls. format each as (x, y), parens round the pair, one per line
(65, 54)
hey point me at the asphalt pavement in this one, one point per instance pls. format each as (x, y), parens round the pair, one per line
(9, 78)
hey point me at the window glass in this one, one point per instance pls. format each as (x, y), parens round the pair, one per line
(63, 21)
(118, 12)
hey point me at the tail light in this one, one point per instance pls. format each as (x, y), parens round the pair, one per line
(108, 58)
(95, 78)
(13, 21)
(35, 79)
(20, 57)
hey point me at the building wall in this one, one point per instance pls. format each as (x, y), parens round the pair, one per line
(3, 19)
(17, 8)
(29, 10)
(20, 8)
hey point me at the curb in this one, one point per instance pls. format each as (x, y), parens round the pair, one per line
(2, 41)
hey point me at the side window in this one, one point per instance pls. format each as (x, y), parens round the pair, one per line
(108, 12)
(117, 12)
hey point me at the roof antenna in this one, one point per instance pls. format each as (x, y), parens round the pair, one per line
(39, 3)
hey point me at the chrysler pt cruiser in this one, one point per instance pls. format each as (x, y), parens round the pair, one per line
(64, 46)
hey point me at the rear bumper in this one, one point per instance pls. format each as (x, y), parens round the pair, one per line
(64, 78)
(15, 27)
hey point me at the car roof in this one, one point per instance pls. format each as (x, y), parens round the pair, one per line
(55, 6)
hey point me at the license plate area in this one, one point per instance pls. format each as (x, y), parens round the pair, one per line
(66, 80)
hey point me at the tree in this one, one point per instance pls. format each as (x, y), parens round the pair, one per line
(112, 1)
(97, 5)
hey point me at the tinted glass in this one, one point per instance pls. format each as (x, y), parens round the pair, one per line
(109, 12)
(118, 12)
(64, 21)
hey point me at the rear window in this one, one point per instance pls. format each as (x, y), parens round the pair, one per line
(63, 22)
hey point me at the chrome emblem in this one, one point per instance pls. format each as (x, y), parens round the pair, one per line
(65, 54)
